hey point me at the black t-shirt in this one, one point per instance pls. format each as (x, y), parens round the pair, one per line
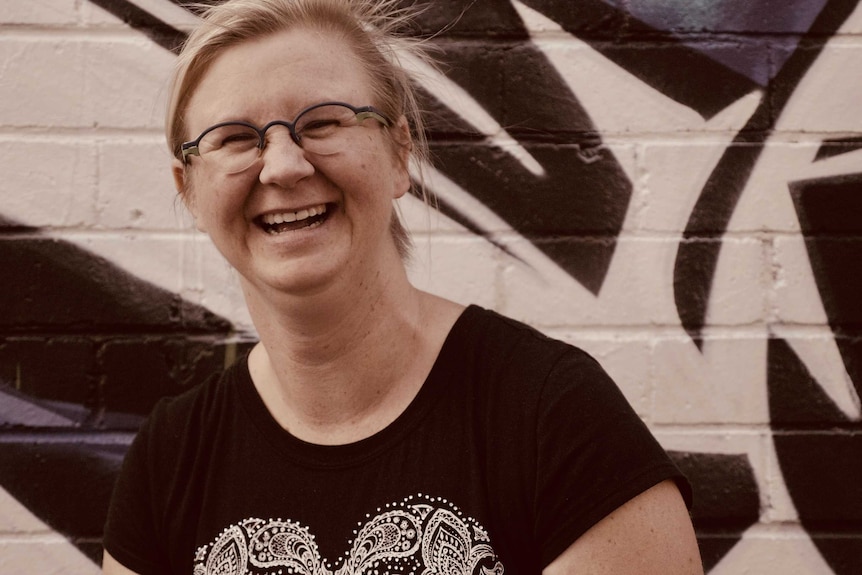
(515, 445)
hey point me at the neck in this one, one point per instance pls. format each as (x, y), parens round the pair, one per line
(333, 368)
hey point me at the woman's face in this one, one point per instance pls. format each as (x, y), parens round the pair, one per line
(347, 194)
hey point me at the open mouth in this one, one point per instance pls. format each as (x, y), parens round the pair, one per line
(279, 223)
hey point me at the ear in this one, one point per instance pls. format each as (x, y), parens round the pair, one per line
(178, 170)
(400, 133)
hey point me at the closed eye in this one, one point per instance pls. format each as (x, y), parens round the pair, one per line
(320, 128)
(239, 138)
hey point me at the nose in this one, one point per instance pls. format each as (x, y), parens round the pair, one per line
(284, 162)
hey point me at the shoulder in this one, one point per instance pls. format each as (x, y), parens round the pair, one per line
(175, 439)
(161, 473)
(492, 332)
(580, 447)
(509, 347)
(521, 376)
(177, 423)
(206, 396)
(545, 377)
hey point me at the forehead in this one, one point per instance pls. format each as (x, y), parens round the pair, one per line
(278, 75)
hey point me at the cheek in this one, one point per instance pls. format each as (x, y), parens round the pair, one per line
(214, 194)
(205, 202)
(186, 195)
(372, 173)
(190, 199)
(190, 196)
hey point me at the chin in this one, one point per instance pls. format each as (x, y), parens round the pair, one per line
(300, 278)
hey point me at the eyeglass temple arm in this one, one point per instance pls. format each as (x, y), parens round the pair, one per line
(189, 149)
(365, 114)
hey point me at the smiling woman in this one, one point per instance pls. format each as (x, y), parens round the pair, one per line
(373, 48)
(375, 426)
(244, 176)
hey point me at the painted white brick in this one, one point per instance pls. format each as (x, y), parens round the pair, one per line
(208, 280)
(637, 289)
(421, 218)
(81, 83)
(724, 384)
(164, 10)
(827, 99)
(153, 258)
(627, 156)
(460, 267)
(48, 183)
(126, 83)
(136, 189)
(766, 203)
(55, 12)
(739, 292)
(95, 16)
(853, 24)
(27, 545)
(536, 291)
(17, 519)
(795, 296)
(753, 443)
(779, 506)
(782, 550)
(634, 107)
(676, 174)
(818, 352)
(674, 177)
(54, 556)
(42, 83)
(183, 263)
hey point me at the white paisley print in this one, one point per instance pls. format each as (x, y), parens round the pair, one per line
(418, 536)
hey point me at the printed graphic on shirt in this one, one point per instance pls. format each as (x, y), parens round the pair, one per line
(417, 535)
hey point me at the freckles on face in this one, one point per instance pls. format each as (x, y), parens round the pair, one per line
(250, 215)
(216, 201)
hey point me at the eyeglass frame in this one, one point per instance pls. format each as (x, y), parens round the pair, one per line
(362, 113)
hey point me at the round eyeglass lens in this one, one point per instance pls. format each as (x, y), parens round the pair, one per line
(232, 147)
(319, 129)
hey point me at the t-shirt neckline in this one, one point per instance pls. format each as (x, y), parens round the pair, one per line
(315, 455)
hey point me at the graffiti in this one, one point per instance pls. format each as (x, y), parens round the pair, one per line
(77, 342)
(541, 132)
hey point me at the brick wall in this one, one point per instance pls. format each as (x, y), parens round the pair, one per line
(676, 187)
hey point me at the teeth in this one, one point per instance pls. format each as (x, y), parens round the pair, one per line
(287, 217)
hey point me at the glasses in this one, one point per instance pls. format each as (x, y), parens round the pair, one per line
(319, 129)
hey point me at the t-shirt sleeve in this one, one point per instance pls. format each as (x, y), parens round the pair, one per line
(131, 532)
(594, 453)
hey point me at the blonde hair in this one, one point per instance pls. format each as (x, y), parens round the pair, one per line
(371, 27)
